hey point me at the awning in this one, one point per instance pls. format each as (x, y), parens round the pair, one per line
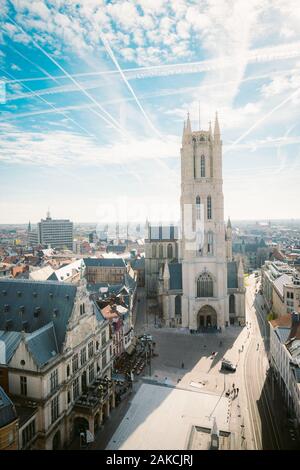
(130, 349)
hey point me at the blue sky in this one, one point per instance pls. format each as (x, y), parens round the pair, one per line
(97, 91)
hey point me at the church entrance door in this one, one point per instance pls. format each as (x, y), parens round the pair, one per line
(207, 317)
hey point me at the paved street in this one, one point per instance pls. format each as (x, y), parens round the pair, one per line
(256, 416)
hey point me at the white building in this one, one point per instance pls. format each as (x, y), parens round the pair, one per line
(57, 233)
(55, 359)
(285, 358)
(205, 288)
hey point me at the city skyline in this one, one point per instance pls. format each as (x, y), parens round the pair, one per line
(96, 95)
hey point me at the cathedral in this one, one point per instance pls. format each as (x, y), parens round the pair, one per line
(193, 275)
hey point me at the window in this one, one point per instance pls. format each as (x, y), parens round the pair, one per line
(83, 356)
(76, 388)
(68, 370)
(204, 285)
(210, 243)
(91, 373)
(75, 363)
(104, 359)
(161, 251)
(53, 380)
(209, 208)
(90, 349)
(198, 208)
(28, 433)
(54, 409)
(202, 166)
(170, 251)
(153, 251)
(103, 338)
(23, 385)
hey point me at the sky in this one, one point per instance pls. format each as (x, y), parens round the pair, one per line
(94, 93)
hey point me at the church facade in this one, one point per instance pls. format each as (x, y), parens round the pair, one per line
(203, 287)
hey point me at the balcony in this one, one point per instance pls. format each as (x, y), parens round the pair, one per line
(95, 396)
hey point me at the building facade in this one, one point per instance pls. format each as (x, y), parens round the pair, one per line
(111, 270)
(56, 233)
(205, 287)
(57, 358)
(285, 359)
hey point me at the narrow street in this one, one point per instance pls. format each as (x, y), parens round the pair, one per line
(266, 409)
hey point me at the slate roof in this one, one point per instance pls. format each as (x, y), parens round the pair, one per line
(11, 340)
(105, 262)
(7, 409)
(138, 263)
(283, 333)
(42, 303)
(232, 275)
(42, 344)
(175, 270)
(280, 282)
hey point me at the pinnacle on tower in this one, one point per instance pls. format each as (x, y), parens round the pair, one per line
(188, 124)
(229, 223)
(217, 128)
(210, 131)
(183, 132)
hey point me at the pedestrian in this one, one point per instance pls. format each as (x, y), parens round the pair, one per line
(237, 391)
(233, 386)
(182, 365)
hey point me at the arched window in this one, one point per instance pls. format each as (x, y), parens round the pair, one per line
(153, 251)
(209, 208)
(202, 166)
(210, 243)
(204, 285)
(170, 251)
(161, 251)
(231, 303)
(198, 208)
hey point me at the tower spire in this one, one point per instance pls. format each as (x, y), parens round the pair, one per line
(210, 131)
(217, 128)
(183, 132)
(188, 124)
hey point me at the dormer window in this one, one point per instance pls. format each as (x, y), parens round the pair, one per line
(4, 292)
(19, 293)
(6, 308)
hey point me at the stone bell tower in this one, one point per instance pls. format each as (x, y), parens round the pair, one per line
(203, 248)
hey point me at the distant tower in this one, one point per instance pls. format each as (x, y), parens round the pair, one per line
(228, 237)
(29, 227)
(117, 233)
(48, 214)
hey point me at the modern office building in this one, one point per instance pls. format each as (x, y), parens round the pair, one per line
(57, 233)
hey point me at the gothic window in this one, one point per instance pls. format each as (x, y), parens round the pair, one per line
(209, 208)
(153, 251)
(204, 285)
(170, 251)
(210, 243)
(202, 166)
(198, 208)
(161, 252)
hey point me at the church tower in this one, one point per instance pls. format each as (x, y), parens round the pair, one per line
(203, 246)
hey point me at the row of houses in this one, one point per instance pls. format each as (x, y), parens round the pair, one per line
(285, 359)
(280, 283)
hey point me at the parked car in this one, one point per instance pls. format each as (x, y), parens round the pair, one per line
(227, 365)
